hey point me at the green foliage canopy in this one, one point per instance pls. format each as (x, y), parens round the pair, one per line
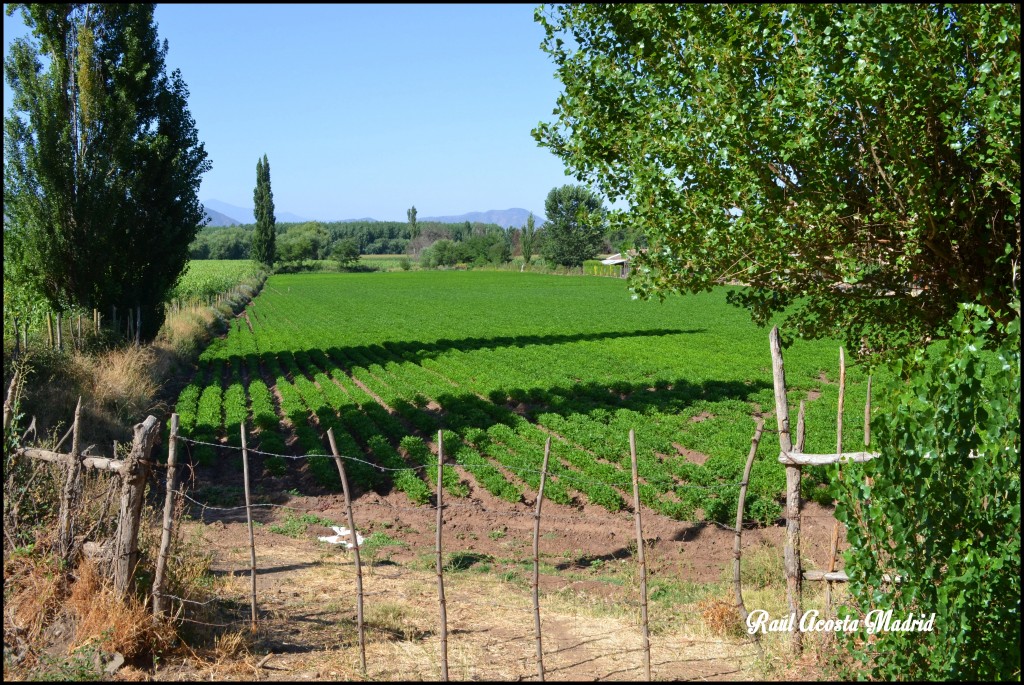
(305, 241)
(861, 162)
(345, 252)
(528, 239)
(222, 242)
(574, 231)
(411, 215)
(264, 248)
(102, 161)
(940, 507)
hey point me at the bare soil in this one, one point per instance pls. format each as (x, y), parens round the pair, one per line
(588, 590)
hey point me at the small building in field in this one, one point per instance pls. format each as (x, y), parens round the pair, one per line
(618, 260)
(616, 265)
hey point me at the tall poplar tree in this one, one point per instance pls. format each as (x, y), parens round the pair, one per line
(102, 161)
(413, 229)
(528, 239)
(264, 247)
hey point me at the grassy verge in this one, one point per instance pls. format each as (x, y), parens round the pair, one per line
(51, 603)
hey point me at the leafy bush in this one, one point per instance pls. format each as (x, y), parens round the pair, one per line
(940, 507)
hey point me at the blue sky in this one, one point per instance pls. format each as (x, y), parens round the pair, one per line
(366, 110)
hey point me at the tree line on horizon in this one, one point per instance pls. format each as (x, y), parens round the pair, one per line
(575, 231)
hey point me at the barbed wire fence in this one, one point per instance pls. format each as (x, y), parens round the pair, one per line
(635, 605)
(123, 560)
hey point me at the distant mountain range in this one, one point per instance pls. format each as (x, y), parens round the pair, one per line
(224, 214)
(503, 217)
(245, 215)
(218, 219)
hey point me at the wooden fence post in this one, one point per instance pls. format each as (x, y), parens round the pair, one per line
(60, 331)
(800, 429)
(248, 520)
(754, 442)
(440, 563)
(867, 416)
(536, 560)
(642, 561)
(11, 400)
(355, 547)
(834, 546)
(70, 495)
(792, 549)
(133, 486)
(159, 578)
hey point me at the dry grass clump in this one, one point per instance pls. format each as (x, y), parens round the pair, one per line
(721, 616)
(33, 592)
(121, 381)
(103, 620)
(396, 621)
(186, 332)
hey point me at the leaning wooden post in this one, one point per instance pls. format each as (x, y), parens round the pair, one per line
(70, 495)
(641, 559)
(133, 487)
(440, 565)
(839, 475)
(248, 520)
(355, 547)
(536, 560)
(792, 548)
(10, 400)
(138, 324)
(17, 338)
(800, 428)
(867, 416)
(159, 601)
(754, 442)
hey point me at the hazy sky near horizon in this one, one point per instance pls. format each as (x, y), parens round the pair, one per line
(365, 110)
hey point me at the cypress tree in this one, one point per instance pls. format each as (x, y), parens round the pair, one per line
(263, 240)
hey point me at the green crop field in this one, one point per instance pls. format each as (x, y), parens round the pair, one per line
(205, 278)
(502, 360)
(385, 262)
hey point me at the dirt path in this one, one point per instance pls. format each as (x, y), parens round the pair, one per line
(307, 613)
(589, 598)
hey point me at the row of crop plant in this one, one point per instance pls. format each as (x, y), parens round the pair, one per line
(452, 386)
